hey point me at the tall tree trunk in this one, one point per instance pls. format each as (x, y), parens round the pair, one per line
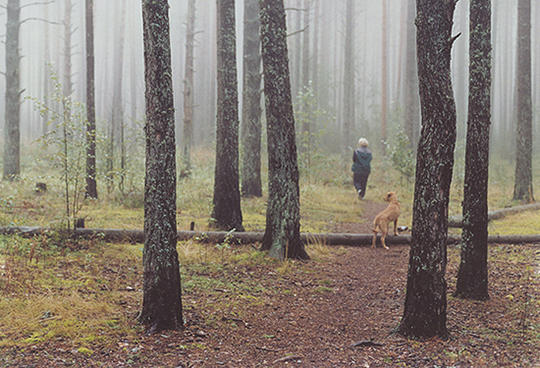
(162, 301)
(523, 189)
(46, 72)
(282, 234)
(189, 99)
(251, 106)
(117, 121)
(91, 184)
(227, 211)
(412, 99)
(348, 80)
(68, 84)
(305, 141)
(384, 78)
(12, 129)
(472, 280)
(425, 303)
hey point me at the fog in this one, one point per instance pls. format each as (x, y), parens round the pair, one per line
(42, 41)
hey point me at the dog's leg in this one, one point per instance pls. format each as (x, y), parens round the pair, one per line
(384, 231)
(395, 228)
(374, 239)
(383, 236)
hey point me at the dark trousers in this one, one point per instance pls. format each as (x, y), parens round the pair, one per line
(360, 182)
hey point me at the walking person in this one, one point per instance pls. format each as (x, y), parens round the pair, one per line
(361, 167)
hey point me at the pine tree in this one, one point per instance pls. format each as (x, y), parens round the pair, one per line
(282, 234)
(425, 303)
(162, 302)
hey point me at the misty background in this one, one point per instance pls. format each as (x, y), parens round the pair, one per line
(42, 41)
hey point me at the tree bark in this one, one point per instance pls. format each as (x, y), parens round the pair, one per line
(12, 129)
(472, 279)
(523, 189)
(251, 107)
(227, 212)
(162, 304)
(282, 233)
(425, 303)
(91, 184)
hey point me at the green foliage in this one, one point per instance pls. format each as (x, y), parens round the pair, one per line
(402, 157)
(65, 146)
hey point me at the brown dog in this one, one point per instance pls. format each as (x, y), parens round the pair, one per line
(381, 221)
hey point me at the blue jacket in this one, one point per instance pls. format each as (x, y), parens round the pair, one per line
(362, 161)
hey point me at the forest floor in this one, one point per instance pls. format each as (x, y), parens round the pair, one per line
(337, 311)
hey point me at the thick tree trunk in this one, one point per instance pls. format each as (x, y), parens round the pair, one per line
(523, 189)
(189, 99)
(227, 211)
(282, 235)
(12, 130)
(472, 280)
(251, 107)
(91, 184)
(425, 304)
(162, 304)
(217, 237)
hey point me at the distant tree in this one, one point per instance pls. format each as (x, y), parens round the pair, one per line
(349, 99)
(384, 78)
(162, 302)
(116, 128)
(523, 189)
(68, 31)
(412, 100)
(251, 106)
(227, 211)
(282, 234)
(472, 280)
(189, 100)
(91, 184)
(425, 303)
(12, 127)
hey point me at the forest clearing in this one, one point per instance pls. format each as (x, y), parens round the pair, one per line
(75, 302)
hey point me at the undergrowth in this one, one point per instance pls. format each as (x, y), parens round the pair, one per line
(86, 292)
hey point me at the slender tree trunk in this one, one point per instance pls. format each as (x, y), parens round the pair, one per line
(251, 107)
(162, 302)
(91, 185)
(412, 99)
(472, 280)
(227, 211)
(12, 130)
(305, 142)
(68, 84)
(425, 303)
(117, 121)
(282, 234)
(384, 78)
(189, 99)
(523, 189)
(348, 80)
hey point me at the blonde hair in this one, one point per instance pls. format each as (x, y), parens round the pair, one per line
(363, 142)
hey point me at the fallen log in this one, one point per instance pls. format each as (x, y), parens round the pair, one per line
(457, 221)
(216, 237)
